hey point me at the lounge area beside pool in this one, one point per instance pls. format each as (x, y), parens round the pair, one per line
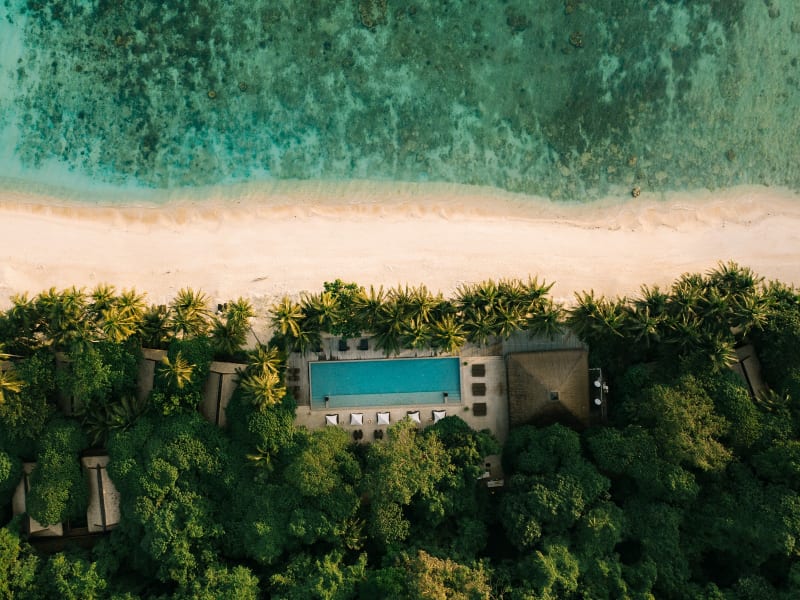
(368, 393)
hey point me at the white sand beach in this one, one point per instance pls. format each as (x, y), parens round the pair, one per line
(263, 242)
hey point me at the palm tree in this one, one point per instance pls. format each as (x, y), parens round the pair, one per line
(367, 306)
(643, 326)
(685, 296)
(648, 315)
(512, 292)
(508, 319)
(99, 421)
(718, 350)
(240, 311)
(714, 309)
(320, 310)
(228, 337)
(752, 311)
(230, 334)
(547, 320)
(10, 383)
(733, 281)
(263, 389)
(415, 333)
(421, 303)
(535, 292)
(178, 372)
(389, 327)
(447, 334)
(155, 328)
(189, 314)
(479, 326)
(286, 317)
(582, 317)
(593, 318)
(103, 297)
(132, 303)
(684, 332)
(264, 359)
(118, 324)
(486, 295)
(25, 321)
(66, 318)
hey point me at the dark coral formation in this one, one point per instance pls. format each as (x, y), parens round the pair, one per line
(540, 97)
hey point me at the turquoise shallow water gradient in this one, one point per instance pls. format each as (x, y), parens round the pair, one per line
(384, 382)
(568, 99)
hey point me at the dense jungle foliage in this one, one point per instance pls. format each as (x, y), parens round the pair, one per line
(691, 490)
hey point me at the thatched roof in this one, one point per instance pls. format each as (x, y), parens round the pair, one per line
(548, 387)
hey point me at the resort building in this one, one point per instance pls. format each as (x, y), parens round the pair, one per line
(353, 385)
(548, 387)
(19, 507)
(102, 513)
(218, 390)
(748, 367)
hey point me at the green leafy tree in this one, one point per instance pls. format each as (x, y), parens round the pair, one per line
(57, 489)
(683, 422)
(222, 582)
(422, 575)
(745, 527)
(23, 415)
(329, 577)
(72, 578)
(18, 567)
(10, 473)
(345, 320)
(403, 468)
(459, 528)
(171, 475)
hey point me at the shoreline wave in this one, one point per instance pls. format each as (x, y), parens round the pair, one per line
(366, 199)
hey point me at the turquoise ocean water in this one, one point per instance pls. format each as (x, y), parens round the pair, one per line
(569, 99)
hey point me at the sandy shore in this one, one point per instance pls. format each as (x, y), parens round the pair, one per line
(264, 242)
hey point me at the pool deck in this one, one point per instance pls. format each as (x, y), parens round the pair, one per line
(490, 390)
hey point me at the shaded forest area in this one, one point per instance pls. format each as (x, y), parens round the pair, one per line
(690, 491)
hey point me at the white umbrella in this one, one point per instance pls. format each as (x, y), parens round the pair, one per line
(383, 418)
(331, 419)
(356, 418)
(438, 415)
(414, 416)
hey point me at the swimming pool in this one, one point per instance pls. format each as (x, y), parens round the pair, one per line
(385, 382)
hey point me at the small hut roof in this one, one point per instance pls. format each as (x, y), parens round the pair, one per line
(550, 386)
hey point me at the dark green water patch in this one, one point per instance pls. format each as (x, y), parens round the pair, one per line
(567, 99)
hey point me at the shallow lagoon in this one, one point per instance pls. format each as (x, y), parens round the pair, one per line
(570, 100)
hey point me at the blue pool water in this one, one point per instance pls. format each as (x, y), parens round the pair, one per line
(386, 382)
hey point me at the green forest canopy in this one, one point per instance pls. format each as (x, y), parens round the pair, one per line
(690, 491)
